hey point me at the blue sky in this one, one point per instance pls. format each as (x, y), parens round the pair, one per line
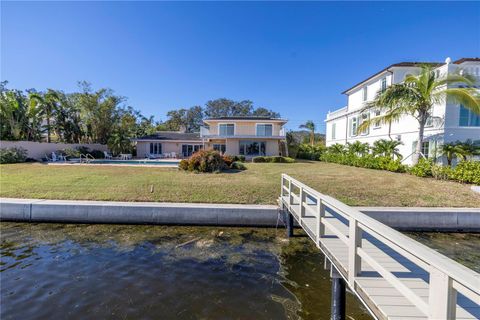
(293, 57)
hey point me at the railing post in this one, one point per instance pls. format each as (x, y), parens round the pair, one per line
(302, 200)
(290, 202)
(338, 295)
(320, 225)
(354, 260)
(442, 297)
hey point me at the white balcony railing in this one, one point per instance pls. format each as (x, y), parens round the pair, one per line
(205, 133)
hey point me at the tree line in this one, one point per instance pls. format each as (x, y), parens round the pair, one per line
(99, 116)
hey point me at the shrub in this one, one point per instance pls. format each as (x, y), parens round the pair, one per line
(259, 159)
(368, 161)
(238, 166)
(309, 152)
(97, 154)
(466, 171)
(13, 155)
(240, 158)
(203, 161)
(83, 150)
(441, 172)
(422, 169)
(72, 153)
(228, 160)
(273, 159)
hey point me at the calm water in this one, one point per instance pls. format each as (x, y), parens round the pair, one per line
(53, 271)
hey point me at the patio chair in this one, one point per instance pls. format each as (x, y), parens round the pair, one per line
(107, 155)
(174, 155)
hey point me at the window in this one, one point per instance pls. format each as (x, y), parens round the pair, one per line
(155, 148)
(264, 130)
(376, 114)
(220, 148)
(425, 148)
(252, 148)
(226, 129)
(365, 93)
(364, 117)
(384, 84)
(353, 126)
(189, 149)
(334, 128)
(468, 118)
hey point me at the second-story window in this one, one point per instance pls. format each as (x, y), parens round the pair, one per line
(264, 130)
(384, 84)
(365, 93)
(226, 129)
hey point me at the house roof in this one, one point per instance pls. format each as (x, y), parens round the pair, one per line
(245, 118)
(400, 64)
(171, 135)
(459, 61)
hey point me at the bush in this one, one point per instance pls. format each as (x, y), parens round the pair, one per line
(203, 161)
(368, 161)
(13, 155)
(83, 150)
(273, 159)
(228, 160)
(441, 172)
(238, 166)
(422, 169)
(97, 154)
(239, 158)
(72, 153)
(309, 152)
(466, 171)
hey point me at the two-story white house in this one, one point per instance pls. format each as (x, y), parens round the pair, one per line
(247, 136)
(448, 122)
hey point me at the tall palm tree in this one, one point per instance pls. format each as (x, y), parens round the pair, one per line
(417, 95)
(310, 125)
(387, 148)
(47, 102)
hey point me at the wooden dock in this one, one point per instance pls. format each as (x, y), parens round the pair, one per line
(394, 276)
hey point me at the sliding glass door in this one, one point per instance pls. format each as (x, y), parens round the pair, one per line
(189, 149)
(252, 148)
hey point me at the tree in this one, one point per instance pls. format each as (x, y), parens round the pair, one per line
(387, 148)
(264, 112)
(358, 148)
(467, 149)
(336, 148)
(310, 125)
(47, 103)
(224, 107)
(416, 97)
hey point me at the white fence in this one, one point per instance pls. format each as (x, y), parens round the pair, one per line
(38, 150)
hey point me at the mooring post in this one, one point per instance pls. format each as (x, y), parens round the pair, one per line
(338, 295)
(289, 218)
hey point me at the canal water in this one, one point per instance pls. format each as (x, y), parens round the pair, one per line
(58, 271)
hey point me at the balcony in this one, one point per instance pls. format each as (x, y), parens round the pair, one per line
(205, 133)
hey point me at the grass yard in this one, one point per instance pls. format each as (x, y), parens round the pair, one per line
(260, 184)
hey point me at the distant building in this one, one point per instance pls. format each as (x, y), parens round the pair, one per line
(248, 136)
(448, 122)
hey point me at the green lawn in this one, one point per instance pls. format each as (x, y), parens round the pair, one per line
(260, 184)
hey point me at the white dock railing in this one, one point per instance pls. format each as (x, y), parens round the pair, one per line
(446, 277)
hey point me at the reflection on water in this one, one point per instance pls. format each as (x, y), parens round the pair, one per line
(53, 271)
(461, 247)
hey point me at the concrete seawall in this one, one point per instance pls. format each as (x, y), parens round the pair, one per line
(34, 210)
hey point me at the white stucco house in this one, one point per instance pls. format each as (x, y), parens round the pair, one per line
(448, 123)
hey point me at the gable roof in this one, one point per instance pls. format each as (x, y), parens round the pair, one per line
(400, 64)
(171, 135)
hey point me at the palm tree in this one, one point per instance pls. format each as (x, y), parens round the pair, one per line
(358, 148)
(467, 149)
(336, 148)
(417, 95)
(387, 148)
(47, 102)
(310, 126)
(449, 150)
